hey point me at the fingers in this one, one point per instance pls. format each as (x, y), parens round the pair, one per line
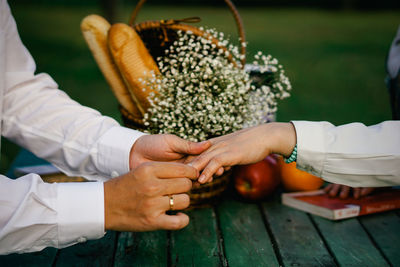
(344, 191)
(328, 188)
(188, 159)
(176, 186)
(135, 201)
(182, 146)
(214, 162)
(334, 190)
(220, 171)
(197, 148)
(366, 191)
(212, 167)
(196, 184)
(180, 202)
(173, 222)
(201, 161)
(173, 170)
(356, 192)
(360, 192)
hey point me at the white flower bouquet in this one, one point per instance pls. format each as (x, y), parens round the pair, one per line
(203, 89)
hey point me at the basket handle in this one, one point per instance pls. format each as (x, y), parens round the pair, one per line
(232, 8)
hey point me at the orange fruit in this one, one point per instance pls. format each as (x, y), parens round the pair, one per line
(294, 179)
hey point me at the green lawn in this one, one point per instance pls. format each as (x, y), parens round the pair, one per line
(335, 59)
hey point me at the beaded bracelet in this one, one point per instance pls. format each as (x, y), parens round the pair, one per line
(293, 156)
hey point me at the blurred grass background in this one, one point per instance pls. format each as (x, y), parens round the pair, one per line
(335, 59)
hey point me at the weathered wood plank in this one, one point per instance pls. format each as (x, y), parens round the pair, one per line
(298, 241)
(91, 253)
(349, 242)
(197, 244)
(246, 239)
(142, 249)
(385, 230)
(42, 258)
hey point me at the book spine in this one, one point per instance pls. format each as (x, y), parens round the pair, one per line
(350, 211)
(306, 207)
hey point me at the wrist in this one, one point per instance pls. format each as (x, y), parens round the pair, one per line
(107, 207)
(133, 156)
(283, 138)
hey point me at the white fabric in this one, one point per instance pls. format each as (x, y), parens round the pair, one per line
(351, 154)
(78, 140)
(35, 215)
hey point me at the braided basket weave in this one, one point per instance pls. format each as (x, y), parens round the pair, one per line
(158, 36)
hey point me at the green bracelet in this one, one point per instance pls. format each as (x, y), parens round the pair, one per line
(293, 156)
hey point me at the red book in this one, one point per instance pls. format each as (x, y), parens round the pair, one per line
(319, 203)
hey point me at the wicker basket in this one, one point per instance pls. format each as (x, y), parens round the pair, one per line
(158, 36)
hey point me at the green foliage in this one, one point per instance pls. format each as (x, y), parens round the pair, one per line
(334, 59)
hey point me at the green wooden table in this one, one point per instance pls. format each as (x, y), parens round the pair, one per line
(234, 233)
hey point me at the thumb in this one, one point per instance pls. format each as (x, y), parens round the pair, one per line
(182, 146)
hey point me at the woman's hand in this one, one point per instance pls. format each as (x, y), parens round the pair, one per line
(343, 191)
(246, 146)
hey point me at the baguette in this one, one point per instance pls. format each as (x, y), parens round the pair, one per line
(95, 31)
(134, 62)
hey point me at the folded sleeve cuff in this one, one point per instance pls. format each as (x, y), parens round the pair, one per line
(80, 212)
(114, 148)
(310, 146)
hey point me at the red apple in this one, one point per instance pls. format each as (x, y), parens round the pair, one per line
(258, 180)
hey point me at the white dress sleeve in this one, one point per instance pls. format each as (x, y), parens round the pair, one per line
(351, 154)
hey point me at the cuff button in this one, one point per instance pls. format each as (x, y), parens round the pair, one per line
(81, 239)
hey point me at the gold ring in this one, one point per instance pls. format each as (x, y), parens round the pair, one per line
(171, 202)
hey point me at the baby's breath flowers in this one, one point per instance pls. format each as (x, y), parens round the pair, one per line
(204, 91)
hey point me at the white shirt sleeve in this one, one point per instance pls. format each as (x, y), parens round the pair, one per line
(42, 118)
(351, 154)
(78, 140)
(35, 215)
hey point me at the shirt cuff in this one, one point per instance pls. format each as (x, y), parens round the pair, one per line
(310, 146)
(80, 212)
(114, 148)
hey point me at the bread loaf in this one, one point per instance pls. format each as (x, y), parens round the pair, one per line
(95, 31)
(134, 62)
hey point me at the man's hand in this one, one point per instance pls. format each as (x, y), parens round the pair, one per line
(343, 191)
(163, 147)
(138, 200)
